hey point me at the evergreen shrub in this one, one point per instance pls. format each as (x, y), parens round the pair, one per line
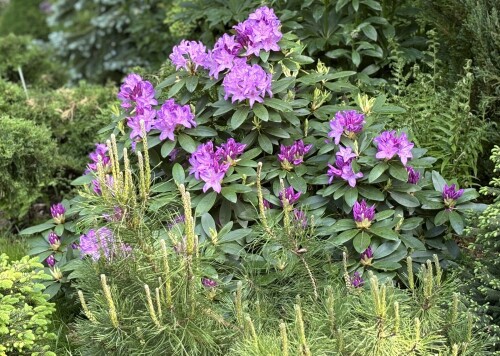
(27, 164)
(264, 160)
(483, 273)
(24, 309)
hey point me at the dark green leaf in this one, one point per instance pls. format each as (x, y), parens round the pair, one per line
(405, 199)
(441, 217)
(438, 181)
(191, 83)
(178, 174)
(201, 131)
(206, 203)
(187, 143)
(167, 147)
(37, 228)
(83, 180)
(235, 235)
(456, 221)
(261, 112)
(208, 224)
(351, 196)
(345, 236)
(265, 143)
(377, 171)
(399, 172)
(239, 118)
(386, 265)
(230, 194)
(361, 241)
(385, 233)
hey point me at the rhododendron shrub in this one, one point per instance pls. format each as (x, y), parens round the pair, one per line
(258, 143)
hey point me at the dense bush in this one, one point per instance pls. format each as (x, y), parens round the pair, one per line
(25, 17)
(27, 164)
(73, 117)
(351, 35)
(24, 310)
(484, 274)
(329, 187)
(102, 39)
(38, 65)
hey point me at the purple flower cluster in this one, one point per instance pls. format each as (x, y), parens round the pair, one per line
(222, 57)
(348, 122)
(343, 167)
(136, 92)
(57, 211)
(116, 216)
(54, 240)
(293, 155)
(172, 115)
(189, 55)
(290, 195)
(211, 164)
(101, 242)
(357, 281)
(261, 31)
(100, 153)
(390, 144)
(300, 218)
(208, 283)
(367, 256)
(363, 214)
(450, 194)
(96, 185)
(246, 81)
(177, 220)
(51, 261)
(413, 175)
(139, 94)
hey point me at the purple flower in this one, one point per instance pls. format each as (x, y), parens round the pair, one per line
(208, 283)
(363, 214)
(366, 256)
(45, 7)
(222, 56)
(172, 115)
(54, 240)
(100, 153)
(229, 151)
(211, 164)
(343, 167)
(389, 145)
(148, 115)
(413, 175)
(96, 185)
(300, 218)
(347, 122)
(138, 91)
(116, 216)
(357, 281)
(290, 195)
(101, 242)
(246, 81)
(51, 261)
(450, 195)
(177, 220)
(267, 204)
(213, 177)
(260, 31)
(57, 211)
(293, 155)
(173, 154)
(189, 55)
